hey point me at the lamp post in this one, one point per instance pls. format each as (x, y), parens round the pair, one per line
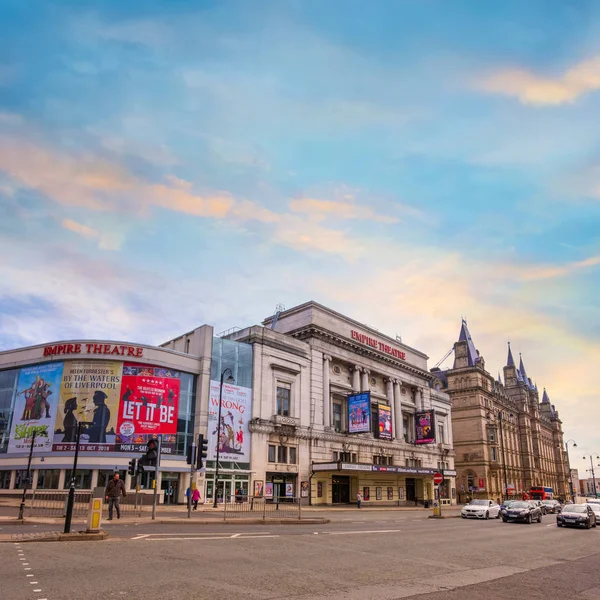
(572, 494)
(593, 474)
(230, 379)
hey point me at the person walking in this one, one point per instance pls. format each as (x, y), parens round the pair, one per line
(358, 499)
(196, 498)
(114, 490)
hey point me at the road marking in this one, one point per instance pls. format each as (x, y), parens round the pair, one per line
(142, 536)
(27, 569)
(228, 537)
(362, 532)
(38, 590)
(34, 582)
(236, 535)
(29, 575)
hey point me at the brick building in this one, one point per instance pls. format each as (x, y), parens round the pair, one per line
(506, 440)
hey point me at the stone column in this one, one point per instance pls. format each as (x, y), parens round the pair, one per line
(398, 408)
(389, 392)
(365, 380)
(420, 402)
(326, 392)
(356, 379)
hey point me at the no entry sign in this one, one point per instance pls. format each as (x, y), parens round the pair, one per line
(438, 478)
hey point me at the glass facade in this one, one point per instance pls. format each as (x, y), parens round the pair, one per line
(8, 385)
(236, 356)
(48, 479)
(185, 416)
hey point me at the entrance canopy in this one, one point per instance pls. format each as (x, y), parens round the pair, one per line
(340, 466)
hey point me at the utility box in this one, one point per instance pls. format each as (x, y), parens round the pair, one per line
(94, 519)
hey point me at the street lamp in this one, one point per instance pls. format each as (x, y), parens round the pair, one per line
(569, 465)
(593, 474)
(230, 379)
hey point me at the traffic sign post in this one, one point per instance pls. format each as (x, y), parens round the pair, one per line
(438, 479)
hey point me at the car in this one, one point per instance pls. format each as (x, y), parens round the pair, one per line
(576, 515)
(506, 504)
(540, 504)
(522, 510)
(595, 506)
(481, 509)
(552, 506)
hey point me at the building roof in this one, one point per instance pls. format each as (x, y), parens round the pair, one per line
(465, 336)
(545, 397)
(510, 362)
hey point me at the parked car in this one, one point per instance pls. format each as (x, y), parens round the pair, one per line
(595, 506)
(522, 510)
(577, 515)
(541, 505)
(552, 506)
(481, 509)
(507, 503)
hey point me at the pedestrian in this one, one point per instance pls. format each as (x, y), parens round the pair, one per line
(358, 500)
(196, 498)
(114, 490)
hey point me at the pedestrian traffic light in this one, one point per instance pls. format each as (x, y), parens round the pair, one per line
(132, 467)
(151, 457)
(202, 451)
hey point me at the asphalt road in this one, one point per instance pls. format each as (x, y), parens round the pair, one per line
(364, 556)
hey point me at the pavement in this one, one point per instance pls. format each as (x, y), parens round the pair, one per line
(359, 555)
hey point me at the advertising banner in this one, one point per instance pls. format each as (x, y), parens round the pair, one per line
(236, 411)
(385, 421)
(149, 402)
(89, 394)
(359, 413)
(425, 430)
(38, 391)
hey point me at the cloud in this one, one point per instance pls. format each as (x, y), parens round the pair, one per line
(321, 209)
(530, 88)
(110, 240)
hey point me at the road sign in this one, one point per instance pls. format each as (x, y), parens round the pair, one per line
(438, 478)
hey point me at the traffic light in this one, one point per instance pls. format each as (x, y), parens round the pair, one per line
(202, 451)
(151, 457)
(191, 454)
(132, 467)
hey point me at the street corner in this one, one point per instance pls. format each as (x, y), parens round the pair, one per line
(54, 536)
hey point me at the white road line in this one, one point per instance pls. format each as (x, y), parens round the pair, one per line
(362, 532)
(142, 536)
(34, 582)
(236, 535)
(29, 575)
(228, 537)
(226, 533)
(38, 590)
(27, 569)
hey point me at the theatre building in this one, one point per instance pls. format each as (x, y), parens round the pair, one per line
(341, 409)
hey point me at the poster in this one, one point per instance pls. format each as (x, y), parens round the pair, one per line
(258, 489)
(269, 489)
(366, 494)
(385, 421)
(390, 493)
(359, 413)
(289, 490)
(378, 493)
(149, 402)
(38, 392)
(425, 430)
(236, 411)
(319, 489)
(89, 394)
(304, 489)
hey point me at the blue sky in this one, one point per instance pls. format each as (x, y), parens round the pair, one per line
(166, 164)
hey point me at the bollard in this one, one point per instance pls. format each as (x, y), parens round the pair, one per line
(94, 519)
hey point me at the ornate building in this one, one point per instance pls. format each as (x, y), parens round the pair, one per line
(506, 440)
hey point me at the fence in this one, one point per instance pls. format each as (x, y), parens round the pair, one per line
(262, 508)
(54, 504)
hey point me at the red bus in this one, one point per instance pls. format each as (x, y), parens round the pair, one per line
(541, 493)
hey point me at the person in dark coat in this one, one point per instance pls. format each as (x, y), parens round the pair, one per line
(70, 421)
(101, 419)
(114, 490)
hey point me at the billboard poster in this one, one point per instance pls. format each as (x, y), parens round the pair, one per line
(38, 391)
(236, 411)
(89, 394)
(425, 431)
(385, 421)
(359, 413)
(149, 403)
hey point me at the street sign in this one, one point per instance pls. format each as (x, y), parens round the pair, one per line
(438, 478)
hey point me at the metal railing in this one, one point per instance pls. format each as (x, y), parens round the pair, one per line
(262, 508)
(42, 503)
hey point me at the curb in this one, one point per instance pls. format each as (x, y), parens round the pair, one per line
(314, 521)
(81, 536)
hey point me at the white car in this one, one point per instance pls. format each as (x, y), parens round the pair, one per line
(482, 509)
(595, 506)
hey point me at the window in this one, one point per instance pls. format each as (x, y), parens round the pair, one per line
(282, 453)
(405, 428)
(292, 456)
(492, 435)
(48, 479)
(21, 480)
(374, 420)
(105, 476)
(494, 456)
(337, 416)
(335, 456)
(272, 454)
(441, 433)
(5, 480)
(83, 479)
(284, 392)
(146, 479)
(379, 459)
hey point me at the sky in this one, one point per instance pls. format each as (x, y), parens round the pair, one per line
(165, 164)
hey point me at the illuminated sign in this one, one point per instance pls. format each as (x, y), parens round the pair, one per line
(382, 347)
(105, 349)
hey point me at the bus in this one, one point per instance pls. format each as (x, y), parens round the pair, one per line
(541, 493)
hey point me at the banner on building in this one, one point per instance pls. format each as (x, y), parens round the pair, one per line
(232, 433)
(38, 392)
(89, 394)
(359, 413)
(385, 421)
(425, 427)
(149, 402)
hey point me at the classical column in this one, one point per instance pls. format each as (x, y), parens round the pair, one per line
(365, 380)
(398, 409)
(356, 379)
(420, 402)
(326, 391)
